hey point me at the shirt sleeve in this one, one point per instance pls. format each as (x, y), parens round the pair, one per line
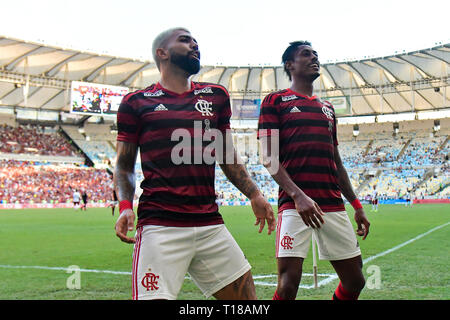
(335, 140)
(268, 124)
(223, 122)
(127, 122)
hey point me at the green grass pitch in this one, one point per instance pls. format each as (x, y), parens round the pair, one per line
(37, 246)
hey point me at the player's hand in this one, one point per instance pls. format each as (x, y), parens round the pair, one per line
(124, 224)
(362, 223)
(263, 212)
(309, 210)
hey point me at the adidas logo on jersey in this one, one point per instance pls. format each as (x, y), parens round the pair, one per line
(161, 107)
(295, 109)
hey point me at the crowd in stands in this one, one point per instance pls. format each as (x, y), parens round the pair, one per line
(27, 139)
(387, 152)
(395, 166)
(97, 151)
(425, 151)
(227, 192)
(96, 141)
(28, 182)
(398, 165)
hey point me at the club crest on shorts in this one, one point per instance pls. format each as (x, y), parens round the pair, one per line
(204, 107)
(286, 242)
(150, 281)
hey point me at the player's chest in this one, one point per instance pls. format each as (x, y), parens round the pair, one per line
(180, 112)
(301, 113)
(299, 118)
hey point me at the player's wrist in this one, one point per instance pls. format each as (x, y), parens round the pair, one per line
(124, 205)
(255, 194)
(356, 204)
(298, 195)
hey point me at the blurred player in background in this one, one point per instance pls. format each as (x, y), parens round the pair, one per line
(76, 199)
(84, 197)
(180, 229)
(113, 202)
(374, 199)
(311, 177)
(409, 199)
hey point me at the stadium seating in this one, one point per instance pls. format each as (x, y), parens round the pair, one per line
(28, 182)
(415, 160)
(96, 141)
(34, 140)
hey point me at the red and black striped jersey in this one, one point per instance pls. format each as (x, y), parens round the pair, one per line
(306, 127)
(175, 192)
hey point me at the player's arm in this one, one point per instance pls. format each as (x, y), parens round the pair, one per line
(238, 176)
(308, 209)
(125, 185)
(347, 190)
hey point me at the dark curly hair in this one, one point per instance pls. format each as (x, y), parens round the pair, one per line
(289, 53)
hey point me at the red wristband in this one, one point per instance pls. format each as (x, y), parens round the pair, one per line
(356, 204)
(125, 204)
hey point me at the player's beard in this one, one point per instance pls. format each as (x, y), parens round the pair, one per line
(185, 62)
(314, 76)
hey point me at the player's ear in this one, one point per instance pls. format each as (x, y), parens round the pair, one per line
(162, 54)
(288, 65)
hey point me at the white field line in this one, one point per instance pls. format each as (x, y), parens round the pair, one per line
(328, 277)
(404, 243)
(64, 269)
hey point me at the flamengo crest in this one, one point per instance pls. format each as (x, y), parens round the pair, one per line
(328, 112)
(204, 107)
(286, 242)
(150, 281)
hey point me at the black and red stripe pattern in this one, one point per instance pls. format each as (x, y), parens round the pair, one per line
(175, 194)
(307, 136)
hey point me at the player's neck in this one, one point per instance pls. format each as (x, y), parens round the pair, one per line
(174, 81)
(302, 87)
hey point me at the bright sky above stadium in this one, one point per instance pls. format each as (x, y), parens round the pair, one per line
(233, 32)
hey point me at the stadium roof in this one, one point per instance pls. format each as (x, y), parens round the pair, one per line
(404, 82)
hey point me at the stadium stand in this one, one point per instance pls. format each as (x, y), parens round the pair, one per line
(41, 139)
(34, 140)
(95, 140)
(24, 182)
(421, 168)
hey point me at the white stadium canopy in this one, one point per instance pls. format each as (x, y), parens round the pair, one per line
(39, 77)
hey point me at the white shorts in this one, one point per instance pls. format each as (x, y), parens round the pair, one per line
(336, 239)
(163, 255)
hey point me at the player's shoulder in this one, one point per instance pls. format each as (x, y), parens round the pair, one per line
(326, 103)
(150, 91)
(277, 97)
(206, 88)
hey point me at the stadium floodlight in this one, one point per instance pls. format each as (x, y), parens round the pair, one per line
(81, 130)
